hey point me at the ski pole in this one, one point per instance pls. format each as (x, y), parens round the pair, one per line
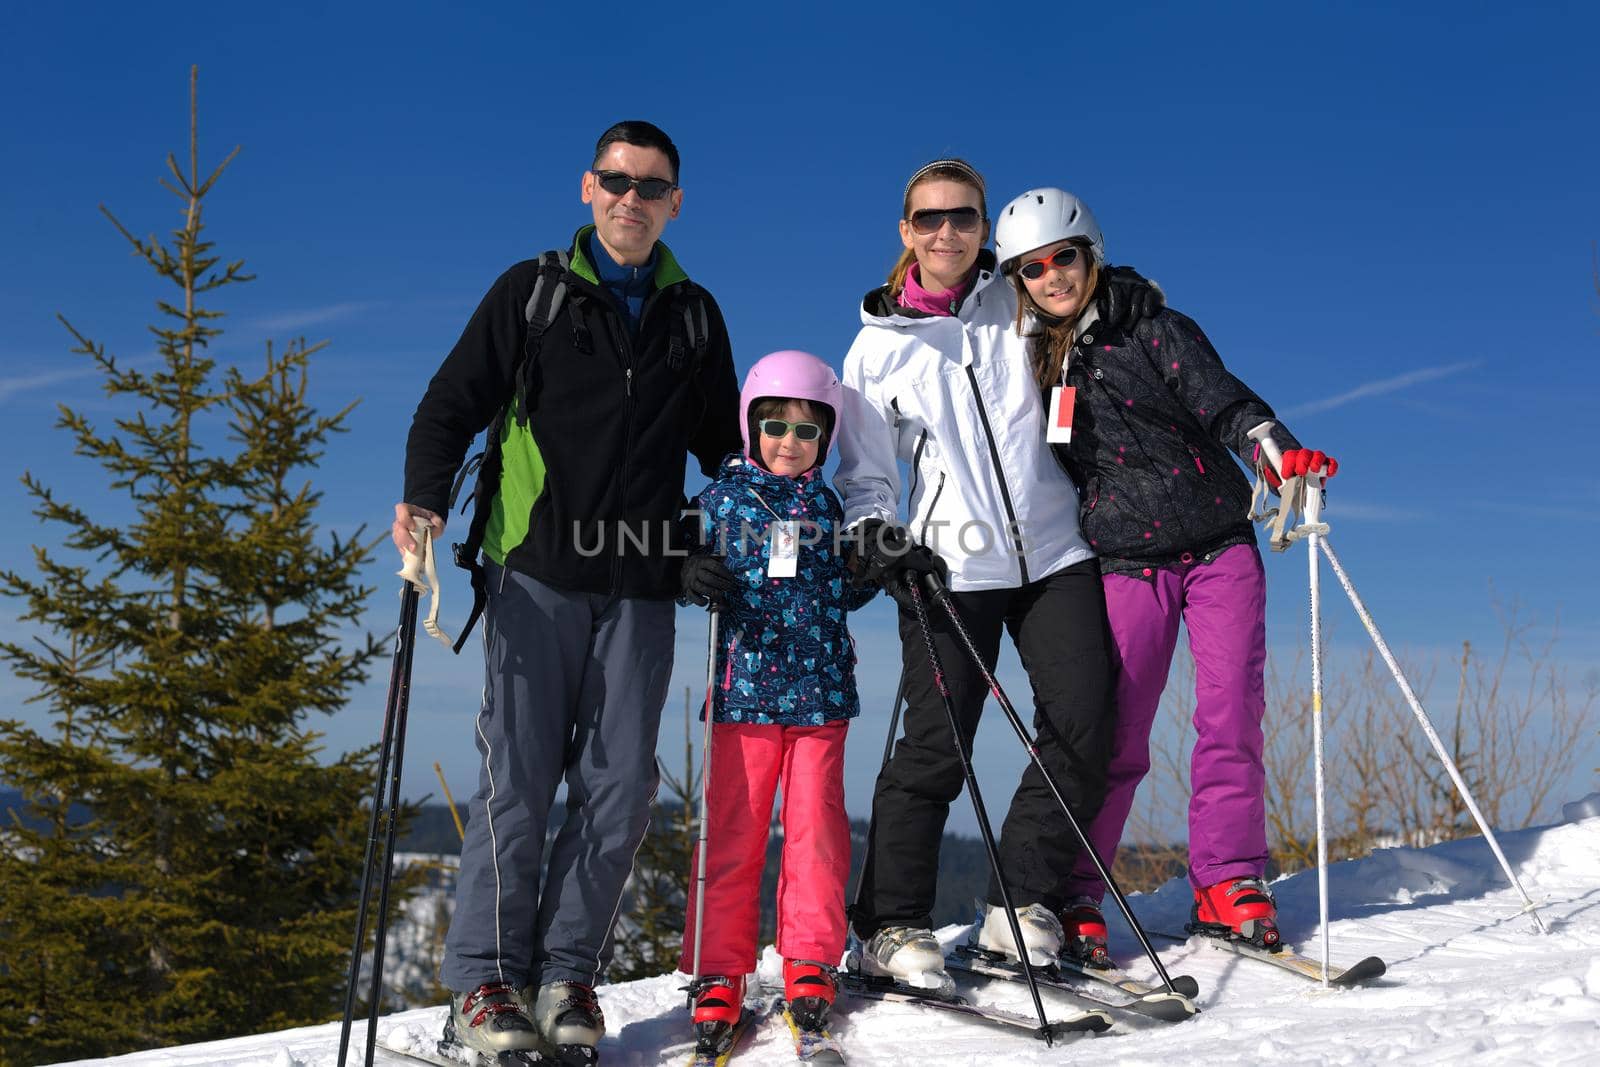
(935, 665)
(391, 748)
(705, 786)
(888, 749)
(1269, 447)
(941, 595)
(1433, 736)
(1314, 547)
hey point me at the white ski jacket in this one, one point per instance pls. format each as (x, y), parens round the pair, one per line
(952, 397)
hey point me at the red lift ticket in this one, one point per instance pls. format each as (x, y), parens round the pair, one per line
(1058, 431)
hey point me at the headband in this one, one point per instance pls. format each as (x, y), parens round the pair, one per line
(948, 164)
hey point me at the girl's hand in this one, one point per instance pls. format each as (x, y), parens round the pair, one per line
(1298, 462)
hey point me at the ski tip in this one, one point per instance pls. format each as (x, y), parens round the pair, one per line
(1368, 970)
(1087, 1022)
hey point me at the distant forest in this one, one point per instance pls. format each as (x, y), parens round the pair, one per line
(963, 867)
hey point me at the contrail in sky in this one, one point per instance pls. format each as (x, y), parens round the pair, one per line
(1384, 385)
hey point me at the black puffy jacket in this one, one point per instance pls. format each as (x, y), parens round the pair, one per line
(1156, 414)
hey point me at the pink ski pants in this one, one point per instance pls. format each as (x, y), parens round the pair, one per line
(748, 764)
(1223, 603)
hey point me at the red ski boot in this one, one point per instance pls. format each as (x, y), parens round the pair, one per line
(1240, 909)
(809, 988)
(1084, 930)
(718, 1003)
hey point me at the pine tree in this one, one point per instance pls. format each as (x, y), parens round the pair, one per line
(192, 874)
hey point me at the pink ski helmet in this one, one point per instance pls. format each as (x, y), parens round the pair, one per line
(790, 375)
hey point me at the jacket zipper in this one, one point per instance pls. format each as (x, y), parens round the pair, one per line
(922, 536)
(999, 473)
(916, 462)
(624, 343)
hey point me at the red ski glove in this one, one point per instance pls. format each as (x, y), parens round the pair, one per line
(1298, 462)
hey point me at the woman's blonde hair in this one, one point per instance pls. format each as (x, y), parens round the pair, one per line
(1052, 338)
(951, 169)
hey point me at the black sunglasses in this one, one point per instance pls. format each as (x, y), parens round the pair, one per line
(1035, 268)
(964, 219)
(617, 184)
(803, 431)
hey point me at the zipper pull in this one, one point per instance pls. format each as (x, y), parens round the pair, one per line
(630, 381)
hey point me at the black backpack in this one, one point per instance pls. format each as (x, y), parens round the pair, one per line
(549, 295)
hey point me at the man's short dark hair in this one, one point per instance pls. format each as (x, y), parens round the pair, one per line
(641, 134)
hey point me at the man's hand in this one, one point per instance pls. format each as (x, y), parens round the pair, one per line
(403, 532)
(1127, 297)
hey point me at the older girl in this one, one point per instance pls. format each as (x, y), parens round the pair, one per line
(1144, 417)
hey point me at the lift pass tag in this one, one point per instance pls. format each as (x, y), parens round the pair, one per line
(1059, 430)
(783, 541)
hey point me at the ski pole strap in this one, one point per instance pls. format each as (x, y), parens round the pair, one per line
(421, 572)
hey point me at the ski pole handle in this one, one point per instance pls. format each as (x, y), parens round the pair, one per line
(420, 572)
(414, 563)
(1261, 434)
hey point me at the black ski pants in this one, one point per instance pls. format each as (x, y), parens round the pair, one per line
(1059, 626)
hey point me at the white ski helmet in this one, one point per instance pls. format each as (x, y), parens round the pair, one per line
(1042, 217)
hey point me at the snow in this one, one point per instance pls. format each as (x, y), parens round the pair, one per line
(1470, 981)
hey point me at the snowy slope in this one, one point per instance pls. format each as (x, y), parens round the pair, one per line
(1470, 981)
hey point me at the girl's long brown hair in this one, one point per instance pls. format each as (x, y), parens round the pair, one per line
(951, 169)
(1050, 342)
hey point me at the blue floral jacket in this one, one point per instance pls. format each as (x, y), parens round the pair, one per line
(786, 656)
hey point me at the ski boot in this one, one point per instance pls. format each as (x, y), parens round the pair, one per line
(1041, 933)
(1083, 929)
(1240, 909)
(491, 1024)
(908, 954)
(570, 1019)
(809, 988)
(718, 1003)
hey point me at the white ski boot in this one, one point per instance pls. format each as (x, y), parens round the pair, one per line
(1041, 933)
(570, 1019)
(487, 1022)
(907, 954)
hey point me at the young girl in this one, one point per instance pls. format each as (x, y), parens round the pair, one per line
(1143, 419)
(783, 699)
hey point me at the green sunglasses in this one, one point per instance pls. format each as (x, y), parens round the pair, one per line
(803, 431)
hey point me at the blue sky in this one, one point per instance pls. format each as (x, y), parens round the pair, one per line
(1384, 216)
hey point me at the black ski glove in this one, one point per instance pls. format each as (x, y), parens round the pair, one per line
(706, 581)
(1126, 298)
(886, 555)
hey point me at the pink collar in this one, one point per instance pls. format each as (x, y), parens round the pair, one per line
(940, 303)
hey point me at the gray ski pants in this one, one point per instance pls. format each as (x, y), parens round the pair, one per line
(573, 689)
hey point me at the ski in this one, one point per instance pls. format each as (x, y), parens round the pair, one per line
(1154, 1002)
(1183, 985)
(718, 1053)
(454, 1055)
(814, 1046)
(873, 987)
(1287, 959)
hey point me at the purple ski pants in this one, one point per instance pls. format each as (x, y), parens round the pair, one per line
(1223, 603)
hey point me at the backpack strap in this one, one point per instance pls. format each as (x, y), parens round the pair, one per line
(544, 305)
(695, 337)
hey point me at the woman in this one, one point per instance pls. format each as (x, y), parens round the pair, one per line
(1153, 414)
(938, 379)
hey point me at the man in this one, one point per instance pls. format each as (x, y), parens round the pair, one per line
(591, 419)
